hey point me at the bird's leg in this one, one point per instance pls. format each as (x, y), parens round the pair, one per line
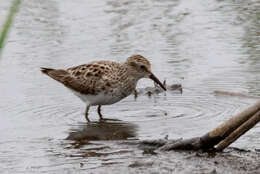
(99, 112)
(135, 93)
(86, 113)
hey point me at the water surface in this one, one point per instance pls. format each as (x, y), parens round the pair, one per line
(204, 45)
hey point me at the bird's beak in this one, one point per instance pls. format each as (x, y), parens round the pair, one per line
(156, 80)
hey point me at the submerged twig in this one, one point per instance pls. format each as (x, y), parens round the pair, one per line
(235, 94)
(157, 89)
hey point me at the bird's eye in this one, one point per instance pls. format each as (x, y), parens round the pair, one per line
(142, 67)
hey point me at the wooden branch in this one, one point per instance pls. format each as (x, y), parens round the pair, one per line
(222, 136)
(239, 132)
(233, 123)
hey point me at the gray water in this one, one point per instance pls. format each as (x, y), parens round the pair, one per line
(203, 45)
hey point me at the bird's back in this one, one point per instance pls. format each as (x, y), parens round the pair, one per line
(94, 78)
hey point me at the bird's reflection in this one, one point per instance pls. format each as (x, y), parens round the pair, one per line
(103, 130)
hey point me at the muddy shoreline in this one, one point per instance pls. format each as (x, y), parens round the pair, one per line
(150, 160)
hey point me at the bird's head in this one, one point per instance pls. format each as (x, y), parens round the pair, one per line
(140, 67)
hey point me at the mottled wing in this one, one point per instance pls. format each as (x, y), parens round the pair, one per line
(91, 78)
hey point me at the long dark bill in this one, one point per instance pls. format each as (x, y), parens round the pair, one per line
(155, 79)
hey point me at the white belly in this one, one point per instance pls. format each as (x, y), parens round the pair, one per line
(99, 99)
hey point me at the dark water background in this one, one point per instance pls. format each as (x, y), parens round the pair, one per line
(204, 45)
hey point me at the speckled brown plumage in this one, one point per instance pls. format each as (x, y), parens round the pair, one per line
(103, 82)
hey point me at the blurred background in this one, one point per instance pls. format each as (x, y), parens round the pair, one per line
(203, 45)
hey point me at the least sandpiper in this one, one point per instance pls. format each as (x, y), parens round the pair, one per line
(104, 82)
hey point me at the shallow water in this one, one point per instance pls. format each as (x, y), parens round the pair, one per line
(204, 45)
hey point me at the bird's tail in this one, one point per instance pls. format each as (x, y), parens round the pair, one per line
(57, 74)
